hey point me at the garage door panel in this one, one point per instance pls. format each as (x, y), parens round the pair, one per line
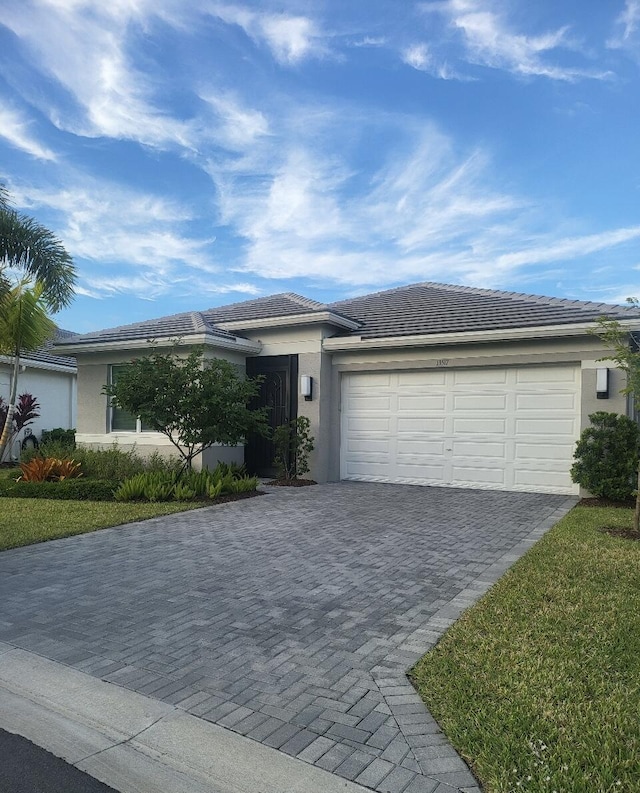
(539, 402)
(364, 423)
(552, 450)
(415, 448)
(468, 474)
(432, 471)
(368, 445)
(509, 428)
(478, 402)
(485, 377)
(550, 374)
(411, 424)
(544, 479)
(366, 402)
(479, 426)
(420, 403)
(547, 426)
(420, 379)
(479, 449)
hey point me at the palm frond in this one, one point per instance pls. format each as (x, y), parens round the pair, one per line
(27, 246)
(24, 322)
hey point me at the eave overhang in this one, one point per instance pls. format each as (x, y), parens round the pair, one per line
(205, 339)
(348, 343)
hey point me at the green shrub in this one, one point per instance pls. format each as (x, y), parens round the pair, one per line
(113, 463)
(68, 489)
(293, 443)
(606, 456)
(58, 449)
(59, 435)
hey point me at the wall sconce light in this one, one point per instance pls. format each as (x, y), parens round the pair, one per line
(602, 383)
(306, 387)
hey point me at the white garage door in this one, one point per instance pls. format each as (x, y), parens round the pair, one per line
(503, 429)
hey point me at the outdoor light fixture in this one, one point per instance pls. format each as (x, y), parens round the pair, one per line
(306, 386)
(602, 383)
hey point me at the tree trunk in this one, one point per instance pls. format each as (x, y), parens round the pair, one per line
(11, 407)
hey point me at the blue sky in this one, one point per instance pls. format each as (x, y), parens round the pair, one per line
(196, 153)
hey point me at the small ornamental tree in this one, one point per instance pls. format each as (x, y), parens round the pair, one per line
(26, 412)
(627, 357)
(293, 443)
(193, 401)
(606, 456)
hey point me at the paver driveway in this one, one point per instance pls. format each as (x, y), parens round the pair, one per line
(290, 618)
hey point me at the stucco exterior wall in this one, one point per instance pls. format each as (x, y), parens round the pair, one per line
(55, 392)
(306, 342)
(93, 412)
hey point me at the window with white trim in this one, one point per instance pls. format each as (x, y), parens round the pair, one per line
(121, 420)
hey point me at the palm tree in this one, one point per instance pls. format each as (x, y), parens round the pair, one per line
(34, 252)
(46, 279)
(24, 326)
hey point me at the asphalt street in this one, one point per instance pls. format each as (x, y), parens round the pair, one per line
(26, 768)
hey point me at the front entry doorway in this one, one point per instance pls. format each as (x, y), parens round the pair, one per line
(279, 394)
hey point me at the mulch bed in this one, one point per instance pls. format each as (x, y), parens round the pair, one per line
(291, 482)
(605, 502)
(614, 531)
(626, 534)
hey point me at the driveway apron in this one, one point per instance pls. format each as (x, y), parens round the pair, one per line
(290, 618)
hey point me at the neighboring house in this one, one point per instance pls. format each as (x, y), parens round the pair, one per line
(425, 384)
(49, 377)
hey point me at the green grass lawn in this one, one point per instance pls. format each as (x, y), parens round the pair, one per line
(538, 685)
(24, 521)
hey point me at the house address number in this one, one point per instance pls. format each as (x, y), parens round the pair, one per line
(442, 362)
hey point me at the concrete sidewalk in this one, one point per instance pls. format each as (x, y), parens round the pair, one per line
(137, 744)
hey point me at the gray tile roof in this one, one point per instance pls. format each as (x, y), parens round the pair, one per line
(198, 322)
(176, 326)
(282, 305)
(408, 310)
(44, 354)
(441, 308)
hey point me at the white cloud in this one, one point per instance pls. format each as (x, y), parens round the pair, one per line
(106, 95)
(291, 39)
(627, 28)
(418, 57)
(15, 128)
(488, 41)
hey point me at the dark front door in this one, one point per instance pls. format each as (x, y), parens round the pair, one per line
(279, 394)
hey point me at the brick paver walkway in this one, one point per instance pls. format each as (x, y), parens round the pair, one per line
(290, 618)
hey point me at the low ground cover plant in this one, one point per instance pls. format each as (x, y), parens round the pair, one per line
(537, 685)
(186, 486)
(49, 469)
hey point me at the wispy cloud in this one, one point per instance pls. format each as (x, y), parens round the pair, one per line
(626, 35)
(16, 129)
(291, 39)
(102, 92)
(489, 41)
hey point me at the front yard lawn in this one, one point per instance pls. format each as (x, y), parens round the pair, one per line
(24, 521)
(538, 685)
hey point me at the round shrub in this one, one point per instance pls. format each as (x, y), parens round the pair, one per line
(606, 457)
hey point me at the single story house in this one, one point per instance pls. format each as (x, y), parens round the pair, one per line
(424, 384)
(49, 377)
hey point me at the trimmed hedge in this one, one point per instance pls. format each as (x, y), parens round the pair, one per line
(67, 490)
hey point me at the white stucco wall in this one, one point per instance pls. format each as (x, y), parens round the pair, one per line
(54, 390)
